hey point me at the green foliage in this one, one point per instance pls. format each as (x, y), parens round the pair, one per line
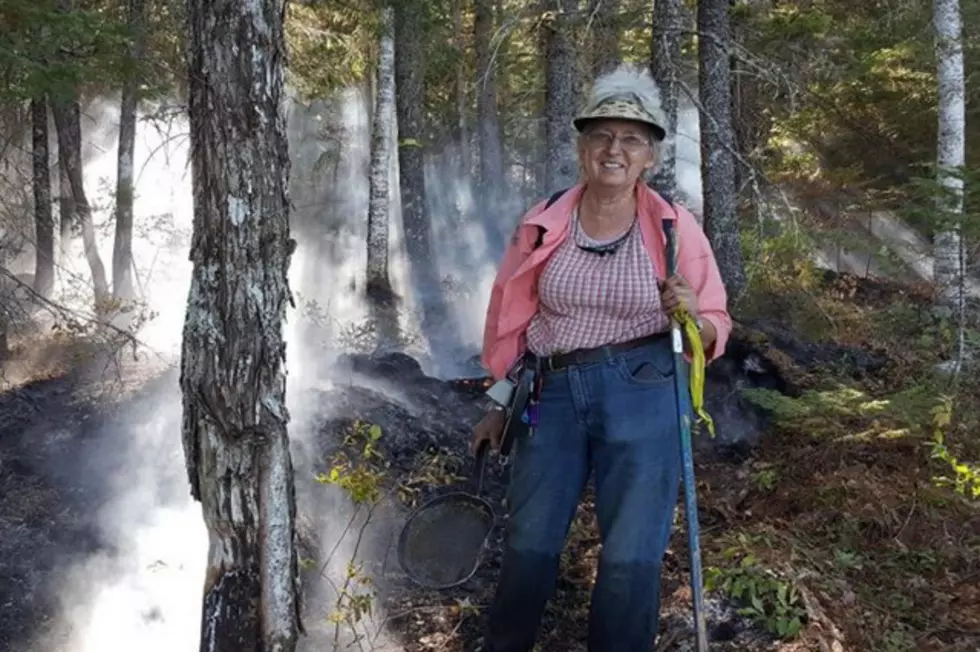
(768, 600)
(852, 84)
(966, 477)
(928, 196)
(846, 411)
(355, 600)
(45, 50)
(331, 45)
(359, 466)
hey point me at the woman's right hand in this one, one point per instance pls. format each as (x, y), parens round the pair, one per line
(490, 428)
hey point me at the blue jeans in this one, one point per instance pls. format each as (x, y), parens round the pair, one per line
(617, 418)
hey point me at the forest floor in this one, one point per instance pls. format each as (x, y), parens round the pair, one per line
(834, 532)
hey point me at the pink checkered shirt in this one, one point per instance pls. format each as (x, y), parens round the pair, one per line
(588, 300)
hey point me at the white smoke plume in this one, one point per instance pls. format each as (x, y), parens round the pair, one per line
(143, 590)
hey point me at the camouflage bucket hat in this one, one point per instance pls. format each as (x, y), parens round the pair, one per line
(623, 107)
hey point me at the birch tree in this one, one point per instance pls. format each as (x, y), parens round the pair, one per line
(949, 254)
(668, 25)
(233, 374)
(382, 146)
(720, 215)
(561, 97)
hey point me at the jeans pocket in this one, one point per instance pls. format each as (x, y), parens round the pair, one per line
(645, 371)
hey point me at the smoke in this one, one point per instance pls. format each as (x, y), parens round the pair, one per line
(687, 155)
(143, 590)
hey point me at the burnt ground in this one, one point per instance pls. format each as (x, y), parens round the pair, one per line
(828, 517)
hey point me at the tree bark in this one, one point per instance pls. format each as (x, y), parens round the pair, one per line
(668, 25)
(122, 251)
(950, 148)
(410, 98)
(491, 149)
(949, 253)
(66, 205)
(233, 374)
(382, 145)
(461, 130)
(720, 214)
(561, 93)
(605, 35)
(43, 219)
(68, 124)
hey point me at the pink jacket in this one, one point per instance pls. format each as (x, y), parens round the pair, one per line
(514, 298)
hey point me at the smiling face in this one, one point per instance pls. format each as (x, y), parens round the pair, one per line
(614, 153)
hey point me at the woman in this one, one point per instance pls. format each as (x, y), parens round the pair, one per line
(581, 294)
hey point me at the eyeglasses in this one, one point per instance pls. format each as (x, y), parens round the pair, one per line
(604, 139)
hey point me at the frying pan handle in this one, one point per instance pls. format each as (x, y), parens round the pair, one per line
(480, 468)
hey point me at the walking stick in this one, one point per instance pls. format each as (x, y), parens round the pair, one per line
(687, 459)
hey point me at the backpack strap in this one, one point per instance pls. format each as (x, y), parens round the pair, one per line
(667, 225)
(555, 197)
(551, 200)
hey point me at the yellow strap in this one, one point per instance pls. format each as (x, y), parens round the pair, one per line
(690, 328)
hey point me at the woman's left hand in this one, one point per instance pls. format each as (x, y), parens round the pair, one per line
(676, 293)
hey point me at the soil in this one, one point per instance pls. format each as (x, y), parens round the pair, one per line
(874, 550)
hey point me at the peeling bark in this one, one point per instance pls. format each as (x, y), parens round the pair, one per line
(68, 124)
(561, 98)
(122, 252)
(233, 358)
(668, 25)
(720, 214)
(950, 153)
(382, 146)
(43, 219)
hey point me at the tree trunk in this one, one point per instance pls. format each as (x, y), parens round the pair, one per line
(461, 132)
(410, 107)
(950, 148)
(605, 35)
(561, 99)
(410, 98)
(69, 127)
(233, 374)
(43, 219)
(66, 205)
(382, 144)
(720, 214)
(491, 149)
(122, 251)
(949, 252)
(668, 25)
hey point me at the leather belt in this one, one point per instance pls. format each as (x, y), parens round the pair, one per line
(560, 361)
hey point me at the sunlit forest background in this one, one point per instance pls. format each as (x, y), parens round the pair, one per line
(838, 503)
